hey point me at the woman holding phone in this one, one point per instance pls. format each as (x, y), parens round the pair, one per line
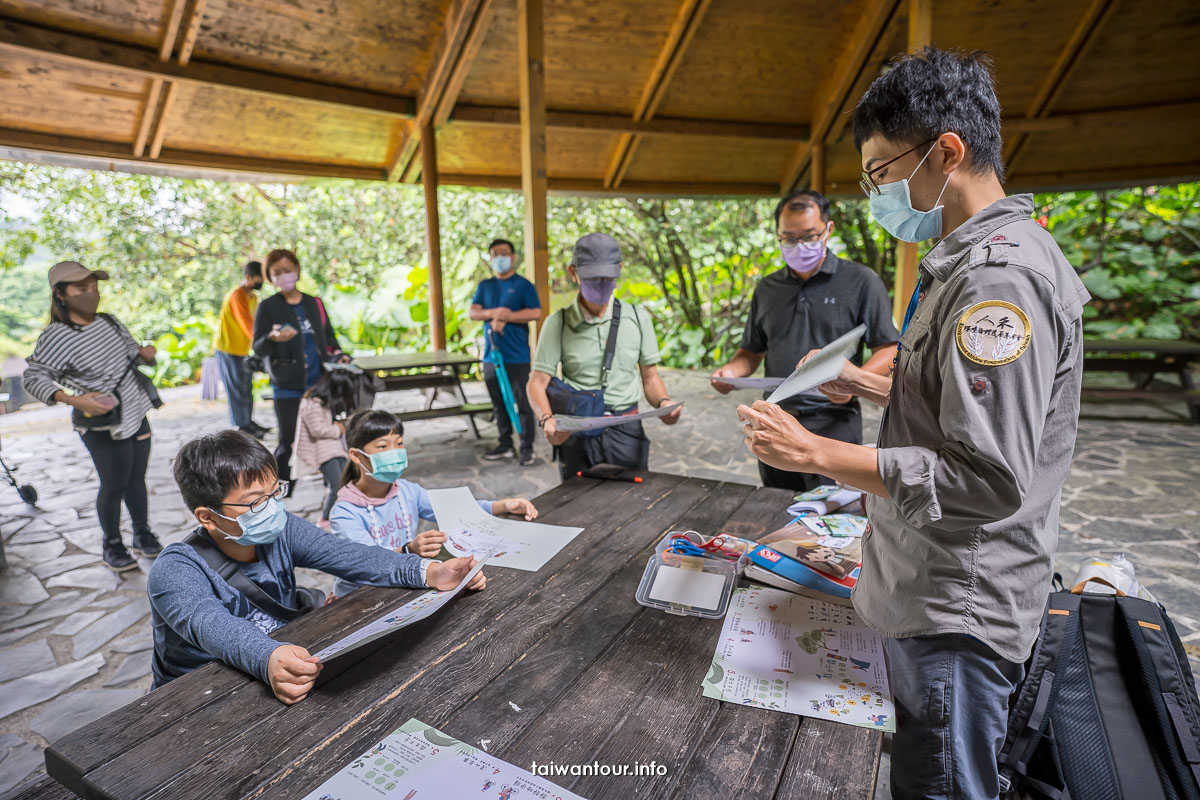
(294, 336)
(88, 361)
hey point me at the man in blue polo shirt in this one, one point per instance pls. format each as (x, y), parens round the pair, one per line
(506, 304)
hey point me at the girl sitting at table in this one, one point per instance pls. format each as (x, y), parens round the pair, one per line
(377, 506)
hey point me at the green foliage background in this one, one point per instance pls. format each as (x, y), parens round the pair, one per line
(175, 246)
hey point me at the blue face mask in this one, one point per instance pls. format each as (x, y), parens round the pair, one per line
(259, 527)
(501, 264)
(892, 208)
(387, 466)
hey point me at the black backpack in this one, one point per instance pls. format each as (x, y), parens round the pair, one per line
(1108, 707)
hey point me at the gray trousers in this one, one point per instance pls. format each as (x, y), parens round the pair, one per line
(331, 471)
(239, 388)
(951, 692)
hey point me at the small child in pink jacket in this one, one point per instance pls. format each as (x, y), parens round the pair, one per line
(320, 429)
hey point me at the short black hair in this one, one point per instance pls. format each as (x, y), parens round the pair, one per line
(801, 199)
(209, 468)
(253, 269)
(495, 242)
(931, 92)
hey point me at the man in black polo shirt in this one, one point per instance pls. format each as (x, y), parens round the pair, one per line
(814, 300)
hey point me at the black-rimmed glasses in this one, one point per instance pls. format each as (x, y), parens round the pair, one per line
(258, 505)
(868, 184)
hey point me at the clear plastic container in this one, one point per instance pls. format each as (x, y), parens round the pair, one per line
(688, 585)
(1107, 573)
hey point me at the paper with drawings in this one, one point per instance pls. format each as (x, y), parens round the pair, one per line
(823, 367)
(516, 543)
(411, 612)
(569, 424)
(852, 525)
(795, 654)
(418, 761)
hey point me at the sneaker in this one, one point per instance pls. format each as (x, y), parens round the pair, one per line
(498, 452)
(118, 559)
(249, 431)
(527, 460)
(146, 545)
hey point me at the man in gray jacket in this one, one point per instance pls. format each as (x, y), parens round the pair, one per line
(978, 432)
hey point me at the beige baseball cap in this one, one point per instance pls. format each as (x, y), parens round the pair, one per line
(71, 271)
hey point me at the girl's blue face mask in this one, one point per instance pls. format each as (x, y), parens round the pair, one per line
(892, 208)
(388, 465)
(259, 527)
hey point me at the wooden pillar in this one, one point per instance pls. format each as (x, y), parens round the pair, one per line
(531, 53)
(433, 236)
(817, 184)
(920, 33)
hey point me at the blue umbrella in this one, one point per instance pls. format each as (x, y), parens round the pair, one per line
(506, 392)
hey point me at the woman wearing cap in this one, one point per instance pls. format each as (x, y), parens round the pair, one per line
(85, 359)
(294, 336)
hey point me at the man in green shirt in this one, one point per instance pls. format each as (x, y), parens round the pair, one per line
(575, 338)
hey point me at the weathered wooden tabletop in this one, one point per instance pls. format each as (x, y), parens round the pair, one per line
(425, 360)
(595, 676)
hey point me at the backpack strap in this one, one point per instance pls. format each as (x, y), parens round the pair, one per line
(229, 571)
(1034, 703)
(1164, 680)
(610, 347)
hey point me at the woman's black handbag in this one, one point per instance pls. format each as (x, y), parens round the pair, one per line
(112, 418)
(585, 402)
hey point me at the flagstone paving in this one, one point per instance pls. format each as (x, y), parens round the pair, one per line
(75, 637)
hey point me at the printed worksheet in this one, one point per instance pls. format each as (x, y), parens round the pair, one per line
(823, 367)
(419, 762)
(513, 543)
(567, 423)
(750, 383)
(795, 654)
(853, 525)
(411, 612)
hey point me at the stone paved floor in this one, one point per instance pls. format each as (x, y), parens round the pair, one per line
(74, 637)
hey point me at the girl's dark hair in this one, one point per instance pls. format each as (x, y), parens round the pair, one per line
(337, 390)
(58, 305)
(363, 428)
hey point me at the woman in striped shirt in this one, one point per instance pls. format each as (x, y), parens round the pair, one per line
(90, 354)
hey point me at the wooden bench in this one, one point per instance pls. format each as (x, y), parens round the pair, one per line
(42, 788)
(436, 369)
(1141, 360)
(560, 665)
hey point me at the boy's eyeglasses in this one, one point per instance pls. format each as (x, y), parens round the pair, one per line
(280, 490)
(868, 184)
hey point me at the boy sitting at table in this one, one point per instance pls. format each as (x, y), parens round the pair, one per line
(375, 506)
(248, 546)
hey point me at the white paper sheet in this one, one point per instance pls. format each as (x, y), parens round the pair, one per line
(418, 761)
(795, 654)
(823, 367)
(852, 525)
(826, 500)
(687, 587)
(517, 544)
(411, 612)
(569, 424)
(751, 383)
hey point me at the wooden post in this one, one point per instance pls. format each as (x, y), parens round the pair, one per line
(433, 236)
(817, 184)
(531, 50)
(920, 33)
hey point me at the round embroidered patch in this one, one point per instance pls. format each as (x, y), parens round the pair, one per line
(992, 333)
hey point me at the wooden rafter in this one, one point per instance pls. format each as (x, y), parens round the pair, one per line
(836, 88)
(620, 123)
(683, 30)
(468, 22)
(531, 78)
(149, 114)
(1098, 12)
(191, 28)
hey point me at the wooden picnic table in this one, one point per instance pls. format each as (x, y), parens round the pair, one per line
(560, 665)
(1141, 360)
(434, 369)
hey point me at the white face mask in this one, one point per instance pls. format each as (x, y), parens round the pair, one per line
(892, 208)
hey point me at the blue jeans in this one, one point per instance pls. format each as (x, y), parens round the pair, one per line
(238, 387)
(951, 693)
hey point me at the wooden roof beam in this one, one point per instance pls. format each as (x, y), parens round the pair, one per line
(835, 90)
(1098, 12)
(467, 24)
(103, 54)
(683, 30)
(191, 30)
(619, 123)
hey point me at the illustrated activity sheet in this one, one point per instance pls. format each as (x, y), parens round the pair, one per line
(570, 424)
(516, 544)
